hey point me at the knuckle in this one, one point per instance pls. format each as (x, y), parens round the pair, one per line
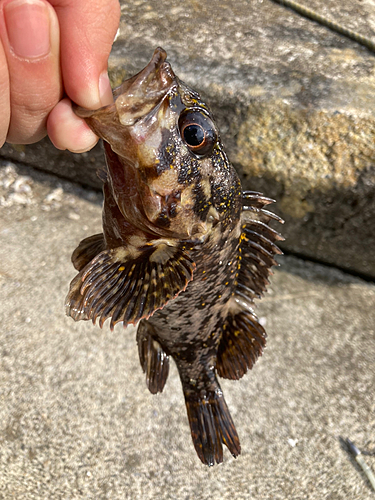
(34, 103)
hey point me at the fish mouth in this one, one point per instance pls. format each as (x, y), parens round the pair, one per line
(140, 94)
(136, 96)
(137, 100)
(127, 124)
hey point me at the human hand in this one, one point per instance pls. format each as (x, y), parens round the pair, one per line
(51, 53)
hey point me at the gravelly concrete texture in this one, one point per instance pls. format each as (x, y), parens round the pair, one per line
(295, 103)
(76, 418)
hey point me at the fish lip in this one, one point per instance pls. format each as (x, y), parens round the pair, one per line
(143, 90)
(87, 113)
(137, 97)
(157, 64)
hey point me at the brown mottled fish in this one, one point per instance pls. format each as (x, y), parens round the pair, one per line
(184, 251)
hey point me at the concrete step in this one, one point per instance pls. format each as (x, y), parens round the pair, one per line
(295, 103)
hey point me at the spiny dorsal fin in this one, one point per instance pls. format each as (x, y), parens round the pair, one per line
(258, 246)
(87, 250)
(128, 283)
(242, 342)
(243, 337)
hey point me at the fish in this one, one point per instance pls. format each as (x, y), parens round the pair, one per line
(184, 250)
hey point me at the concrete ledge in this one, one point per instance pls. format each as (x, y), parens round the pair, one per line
(295, 104)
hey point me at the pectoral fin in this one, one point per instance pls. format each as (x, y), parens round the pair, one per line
(87, 250)
(128, 284)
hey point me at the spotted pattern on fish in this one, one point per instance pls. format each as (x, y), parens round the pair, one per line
(184, 252)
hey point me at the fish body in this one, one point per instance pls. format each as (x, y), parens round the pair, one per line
(183, 252)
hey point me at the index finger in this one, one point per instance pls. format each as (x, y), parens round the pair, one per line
(88, 28)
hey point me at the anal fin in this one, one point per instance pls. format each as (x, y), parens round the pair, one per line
(154, 361)
(242, 342)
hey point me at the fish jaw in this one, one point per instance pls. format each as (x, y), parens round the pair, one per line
(139, 95)
(159, 183)
(134, 99)
(125, 123)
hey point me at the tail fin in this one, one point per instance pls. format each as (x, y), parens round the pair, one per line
(211, 425)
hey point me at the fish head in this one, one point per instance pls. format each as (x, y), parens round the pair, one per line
(161, 148)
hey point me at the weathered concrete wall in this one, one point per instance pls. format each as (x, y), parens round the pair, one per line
(294, 101)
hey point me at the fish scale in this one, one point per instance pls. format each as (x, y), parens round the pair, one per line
(184, 251)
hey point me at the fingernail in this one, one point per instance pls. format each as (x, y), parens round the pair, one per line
(28, 27)
(105, 89)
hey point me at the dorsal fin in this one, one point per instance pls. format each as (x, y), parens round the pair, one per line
(128, 283)
(242, 342)
(257, 246)
(243, 337)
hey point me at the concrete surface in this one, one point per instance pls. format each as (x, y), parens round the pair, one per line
(76, 418)
(295, 103)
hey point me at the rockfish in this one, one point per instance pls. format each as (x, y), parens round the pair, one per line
(184, 251)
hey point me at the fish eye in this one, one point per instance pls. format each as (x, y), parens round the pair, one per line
(198, 131)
